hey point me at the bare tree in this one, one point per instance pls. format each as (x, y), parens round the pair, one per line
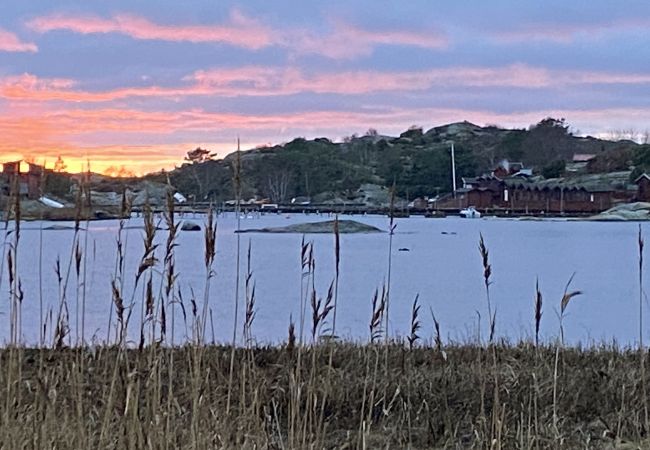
(277, 184)
(629, 134)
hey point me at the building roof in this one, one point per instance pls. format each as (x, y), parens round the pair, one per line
(567, 184)
(640, 177)
(583, 157)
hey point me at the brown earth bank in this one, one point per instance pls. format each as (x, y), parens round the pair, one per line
(331, 395)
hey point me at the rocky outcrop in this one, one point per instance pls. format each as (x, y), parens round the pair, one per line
(626, 212)
(345, 227)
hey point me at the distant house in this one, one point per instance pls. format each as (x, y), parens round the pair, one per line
(469, 182)
(579, 162)
(507, 168)
(26, 176)
(583, 157)
(419, 203)
(643, 184)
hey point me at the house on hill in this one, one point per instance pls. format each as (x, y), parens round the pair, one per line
(27, 176)
(643, 187)
(579, 162)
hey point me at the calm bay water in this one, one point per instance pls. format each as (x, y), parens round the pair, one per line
(442, 265)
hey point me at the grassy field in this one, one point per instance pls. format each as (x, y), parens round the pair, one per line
(327, 396)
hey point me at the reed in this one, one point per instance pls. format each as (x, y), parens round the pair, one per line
(487, 273)
(642, 356)
(237, 186)
(337, 262)
(391, 232)
(437, 336)
(564, 303)
(377, 316)
(249, 310)
(415, 323)
(538, 311)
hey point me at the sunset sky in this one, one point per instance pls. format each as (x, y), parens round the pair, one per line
(138, 84)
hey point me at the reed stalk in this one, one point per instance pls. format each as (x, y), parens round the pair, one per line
(391, 231)
(646, 418)
(237, 185)
(337, 262)
(487, 273)
(538, 312)
(564, 303)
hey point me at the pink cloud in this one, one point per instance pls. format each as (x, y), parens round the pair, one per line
(344, 41)
(275, 81)
(240, 31)
(565, 33)
(347, 41)
(9, 42)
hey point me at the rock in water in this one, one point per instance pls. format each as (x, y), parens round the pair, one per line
(625, 212)
(190, 226)
(345, 227)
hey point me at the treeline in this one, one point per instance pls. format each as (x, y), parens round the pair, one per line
(418, 163)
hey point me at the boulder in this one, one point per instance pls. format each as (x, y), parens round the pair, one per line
(190, 226)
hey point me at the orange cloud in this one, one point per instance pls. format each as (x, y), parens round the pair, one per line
(240, 31)
(9, 42)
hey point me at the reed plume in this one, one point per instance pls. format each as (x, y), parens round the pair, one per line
(487, 273)
(538, 311)
(415, 323)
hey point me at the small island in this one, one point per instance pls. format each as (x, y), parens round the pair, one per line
(345, 227)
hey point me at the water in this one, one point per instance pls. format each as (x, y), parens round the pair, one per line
(443, 266)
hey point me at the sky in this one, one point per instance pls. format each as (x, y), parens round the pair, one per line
(132, 85)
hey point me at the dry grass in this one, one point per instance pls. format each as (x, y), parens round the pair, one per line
(119, 399)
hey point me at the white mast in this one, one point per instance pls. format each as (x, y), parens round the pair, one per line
(453, 169)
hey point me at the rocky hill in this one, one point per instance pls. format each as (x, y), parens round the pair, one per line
(418, 162)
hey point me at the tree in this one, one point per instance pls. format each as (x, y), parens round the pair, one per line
(199, 155)
(60, 165)
(548, 141)
(119, 172)
(196, 157)
(554, 169)
(551, 123)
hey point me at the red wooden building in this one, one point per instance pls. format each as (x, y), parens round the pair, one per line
(26, 176)
(538, 195)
